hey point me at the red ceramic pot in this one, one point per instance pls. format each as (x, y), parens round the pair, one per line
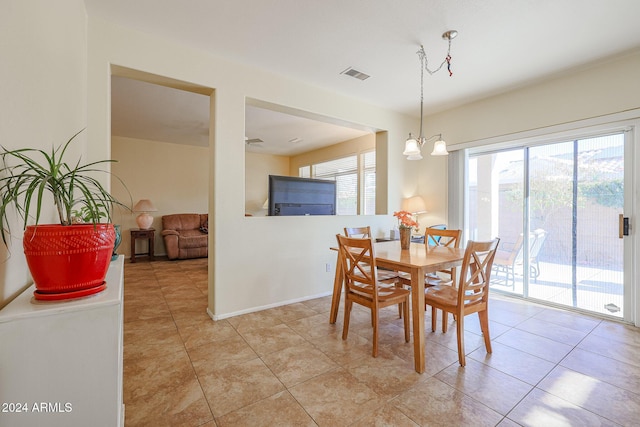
(68, 261)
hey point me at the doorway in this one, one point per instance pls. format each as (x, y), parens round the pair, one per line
(559, 209)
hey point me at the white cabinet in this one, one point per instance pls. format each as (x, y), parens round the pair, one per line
(61, 362)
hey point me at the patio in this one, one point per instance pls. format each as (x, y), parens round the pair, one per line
(598, 290)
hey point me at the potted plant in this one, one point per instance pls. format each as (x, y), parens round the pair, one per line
(405, 223)
(66, 260)
(84, 216)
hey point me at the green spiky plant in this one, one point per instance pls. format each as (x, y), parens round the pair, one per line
(27, 174)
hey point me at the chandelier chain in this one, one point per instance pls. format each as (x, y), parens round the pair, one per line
(424, 61)
(424, 65)
(413, 145)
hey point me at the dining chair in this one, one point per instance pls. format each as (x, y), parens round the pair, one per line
(438, 237)
(362, 286)
(384, 275)
(471, 296)
(435, 227)
(446, 238)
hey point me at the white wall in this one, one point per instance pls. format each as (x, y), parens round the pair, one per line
(604, 88)
(174, 177)
(253, 262)
(43, 85)
(258, 167)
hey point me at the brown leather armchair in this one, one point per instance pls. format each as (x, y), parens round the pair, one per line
(186, 235)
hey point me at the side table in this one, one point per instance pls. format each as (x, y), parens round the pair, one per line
(148, 234)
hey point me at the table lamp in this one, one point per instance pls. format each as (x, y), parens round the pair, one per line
(144, 220)
(414, 205)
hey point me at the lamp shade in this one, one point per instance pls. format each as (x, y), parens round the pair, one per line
(411, 147)
(439, 148)
(414, 205)
(144, 205)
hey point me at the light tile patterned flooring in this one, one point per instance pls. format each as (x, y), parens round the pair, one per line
(288, 367)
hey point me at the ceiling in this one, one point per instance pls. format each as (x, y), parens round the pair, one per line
(149, 111)
(501, 45)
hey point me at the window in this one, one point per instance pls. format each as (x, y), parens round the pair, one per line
(369, 183)
(355, 178)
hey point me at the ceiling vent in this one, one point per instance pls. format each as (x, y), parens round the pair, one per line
(355, 73)
(253, 141)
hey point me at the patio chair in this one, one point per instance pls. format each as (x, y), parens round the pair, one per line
(507, 261)
(539, 237)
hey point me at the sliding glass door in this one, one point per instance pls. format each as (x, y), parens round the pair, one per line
(557, 208)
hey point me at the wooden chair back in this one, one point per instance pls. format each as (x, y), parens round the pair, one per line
(359, 265)
(433, 241)
(475, 273)
(447, 238)
(364, 232)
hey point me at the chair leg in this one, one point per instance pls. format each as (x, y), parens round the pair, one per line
(445, 321)
(347, 317)
(375, 332)
(460, 336)
(399, 285)
(434, 320)
(407, 328)
(484, 327)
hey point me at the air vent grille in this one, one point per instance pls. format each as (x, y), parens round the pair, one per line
(355, 73)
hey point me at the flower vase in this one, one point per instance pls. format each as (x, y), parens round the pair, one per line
(405, 237)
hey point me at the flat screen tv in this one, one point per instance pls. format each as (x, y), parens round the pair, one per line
(289, 195)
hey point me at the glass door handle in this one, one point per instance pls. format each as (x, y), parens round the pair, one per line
(623, 224)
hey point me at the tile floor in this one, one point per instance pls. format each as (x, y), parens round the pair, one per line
(288, 366)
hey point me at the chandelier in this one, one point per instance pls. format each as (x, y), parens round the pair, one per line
(412, 147)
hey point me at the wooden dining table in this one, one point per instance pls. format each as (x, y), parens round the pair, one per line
(418, 260)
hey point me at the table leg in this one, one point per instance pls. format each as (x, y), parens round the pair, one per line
(151, 247)
(133, 248)
(337, 290)
(417, 301)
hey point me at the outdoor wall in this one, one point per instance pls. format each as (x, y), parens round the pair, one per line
(173, 176)
(43, 83)
(254, 262)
